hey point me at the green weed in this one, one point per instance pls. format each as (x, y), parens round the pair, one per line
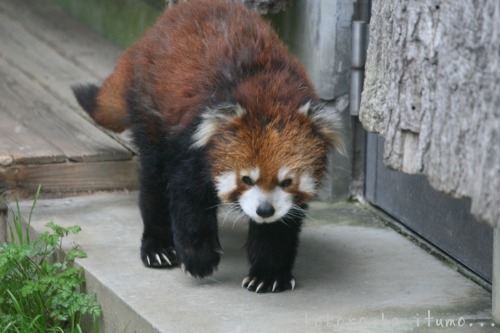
(39, 287)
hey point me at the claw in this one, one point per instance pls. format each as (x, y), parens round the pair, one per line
(259, 287)
(183, 267)
(149, 261)
(219, 251)
(174, 252)
(166, 259)
(292, 282)
(275, 284)
(158, 258)
(251, 284)
(245, 281)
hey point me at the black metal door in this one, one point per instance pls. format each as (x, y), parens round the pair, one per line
(440, 219)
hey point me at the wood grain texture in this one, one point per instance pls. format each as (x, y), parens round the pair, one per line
(49, 128)
(70, 177)
(38, 60)
(21, 144)
(432, 89)
(90, 53)
(44, 136)
(68, 37)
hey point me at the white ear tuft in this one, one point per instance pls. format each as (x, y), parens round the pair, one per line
(212, 120)
(329, 123)
(304, 109)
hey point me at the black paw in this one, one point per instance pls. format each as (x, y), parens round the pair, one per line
(200, 262)
(263, 284)
(158, 257)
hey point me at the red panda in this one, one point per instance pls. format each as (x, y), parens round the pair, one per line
(222, 114)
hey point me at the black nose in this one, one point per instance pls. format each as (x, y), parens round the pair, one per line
(265, 210)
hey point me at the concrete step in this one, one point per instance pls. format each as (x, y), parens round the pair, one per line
(354, 274)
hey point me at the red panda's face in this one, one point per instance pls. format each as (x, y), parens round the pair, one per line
(266, 199)
(268, 164)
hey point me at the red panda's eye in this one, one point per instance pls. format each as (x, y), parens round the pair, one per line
(247, 180)
(287, 182)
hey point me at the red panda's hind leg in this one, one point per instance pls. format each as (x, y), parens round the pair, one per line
(157, 244)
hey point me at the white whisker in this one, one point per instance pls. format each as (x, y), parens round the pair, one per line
(231, 208)
(242, 214)
(303, 211)
(222, 204)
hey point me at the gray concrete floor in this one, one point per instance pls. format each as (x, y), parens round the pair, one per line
(354, 274)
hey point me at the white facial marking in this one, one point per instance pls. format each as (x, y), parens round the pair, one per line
(307, 184)
(253, 173)
(279, 199)
(283, 173)
(225, 183)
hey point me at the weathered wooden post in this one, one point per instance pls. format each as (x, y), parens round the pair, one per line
(432, 89)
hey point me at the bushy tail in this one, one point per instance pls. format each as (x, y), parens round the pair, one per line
(107, 104)
(86, 95)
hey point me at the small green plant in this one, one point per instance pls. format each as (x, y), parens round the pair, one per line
(39, 287)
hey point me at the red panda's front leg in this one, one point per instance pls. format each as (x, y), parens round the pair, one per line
(272, 248)
(193, 207)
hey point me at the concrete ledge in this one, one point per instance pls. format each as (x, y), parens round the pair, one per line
(353, 275)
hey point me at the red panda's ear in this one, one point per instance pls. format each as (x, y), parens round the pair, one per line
(328, 122)
(212, 119)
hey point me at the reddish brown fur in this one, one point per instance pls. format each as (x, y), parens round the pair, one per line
(111, 111)
(182, 65)
(167, 60)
